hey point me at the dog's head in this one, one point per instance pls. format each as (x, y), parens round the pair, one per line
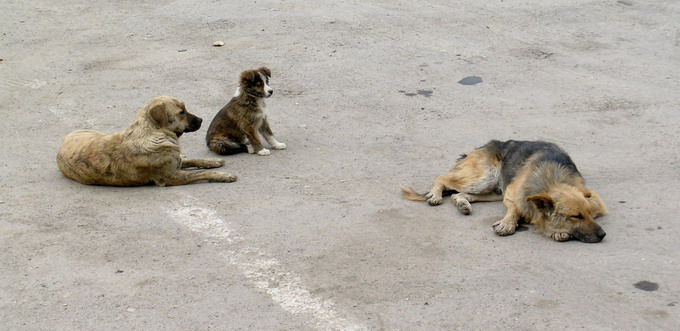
(256, 82)
(567, 211)
(171, 114)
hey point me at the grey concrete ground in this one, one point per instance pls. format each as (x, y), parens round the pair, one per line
(366, 98)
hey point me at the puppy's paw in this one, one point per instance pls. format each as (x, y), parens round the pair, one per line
(264, 152)
(279, 146)
(561, 236)
(227, 178)
(504, 228)
(250, 148)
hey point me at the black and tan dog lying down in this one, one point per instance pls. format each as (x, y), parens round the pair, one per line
(146, 152)
(537, 182)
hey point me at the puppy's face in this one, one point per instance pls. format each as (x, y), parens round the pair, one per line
(256, 82)
(567, 212)
(170, 113)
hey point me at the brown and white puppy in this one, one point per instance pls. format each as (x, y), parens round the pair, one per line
(537, 182)
(237, 126)
(146, 152)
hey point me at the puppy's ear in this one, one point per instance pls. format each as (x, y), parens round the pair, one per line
(543, 202)
(265, 71)
(158, 115)
(248, 77)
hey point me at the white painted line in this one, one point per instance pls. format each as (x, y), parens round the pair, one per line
(266, 273)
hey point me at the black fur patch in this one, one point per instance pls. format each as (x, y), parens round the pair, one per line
(514, 154)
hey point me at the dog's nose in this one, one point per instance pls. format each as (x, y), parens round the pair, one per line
(600, 234)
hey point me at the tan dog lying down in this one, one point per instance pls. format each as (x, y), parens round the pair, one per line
(146, 152)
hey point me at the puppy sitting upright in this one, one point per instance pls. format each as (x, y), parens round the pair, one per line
(237, 126)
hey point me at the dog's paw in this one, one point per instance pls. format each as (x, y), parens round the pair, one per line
(279, 146)
(503, 228)
(214, 163)
(464, 207)
(227, 178)
(561, 236)
(264, 152)
(434, 201)
(250, 148)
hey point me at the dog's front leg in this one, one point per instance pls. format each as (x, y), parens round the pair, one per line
(508, 224)
(202, 163)
(189, 177)
(254, 143)
(268, 135)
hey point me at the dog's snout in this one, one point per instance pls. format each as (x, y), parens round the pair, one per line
(194, 124)
(600, 234)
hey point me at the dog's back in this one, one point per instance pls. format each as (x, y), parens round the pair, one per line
(80, 156)
(223, 136)
(517, 155)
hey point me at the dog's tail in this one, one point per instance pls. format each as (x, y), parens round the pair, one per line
(226, 147)
(410, 194)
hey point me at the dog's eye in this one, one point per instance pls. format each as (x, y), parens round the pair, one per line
(182, 112)
(577, 217)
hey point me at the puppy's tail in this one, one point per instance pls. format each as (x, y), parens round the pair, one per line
(410, 194)
(226, 147)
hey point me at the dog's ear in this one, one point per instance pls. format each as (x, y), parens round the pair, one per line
(158, 115)
(543, 202)
(586, 192)
(596, 206)
(248, 77)
(265, 71)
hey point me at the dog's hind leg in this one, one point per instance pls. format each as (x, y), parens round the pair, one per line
(202, 163)
(443, 182)
(188, 177)
(224, 146)
(463, 200)
(476, 174)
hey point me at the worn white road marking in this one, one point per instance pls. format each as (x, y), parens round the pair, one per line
(266, 273)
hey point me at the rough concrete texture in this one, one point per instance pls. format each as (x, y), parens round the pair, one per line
(366, 98)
